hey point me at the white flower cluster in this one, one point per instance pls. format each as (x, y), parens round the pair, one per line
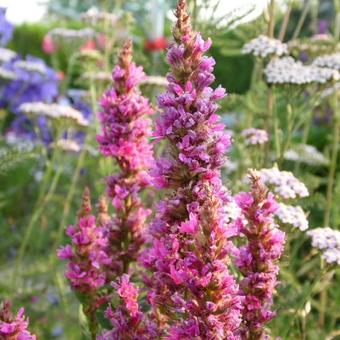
(31, 66)
(6, 74)
(288, 71)
(330, 61)
(232, 211)
(263, 46)
(67, 145)
(54, 111)
(327, 240)
(155, 80)
(100, 76)
(72, 34)
(330, 90)
(293, 215)
(307, 154)
(6, 55)
(255, 136)
(94, 16)
(284, 183)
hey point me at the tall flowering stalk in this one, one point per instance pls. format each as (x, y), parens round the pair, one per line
(127, 320)
(257, 259)
(125, 132)
(87, 261)
(191, 289)
(13, 327)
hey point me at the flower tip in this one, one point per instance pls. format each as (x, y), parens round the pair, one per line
(85, 208)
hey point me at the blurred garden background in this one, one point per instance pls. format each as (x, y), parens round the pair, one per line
(62, 52)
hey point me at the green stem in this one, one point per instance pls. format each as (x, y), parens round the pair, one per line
(268, 120)
(271, 24)
(38, 210)
(74, 181)
(301, 20)
(334, 157)
(288, 137)
(285, 21)
(307, 294)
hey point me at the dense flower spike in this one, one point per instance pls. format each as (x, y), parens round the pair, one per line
(125, 132)
(191, 288)
(13, 327)
(88, 260)
(128, 322)
(87, 257)
(257, 259)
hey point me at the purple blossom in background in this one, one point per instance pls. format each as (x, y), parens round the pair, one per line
(257, 259)
(34, 82)
(13, 327)
(191, 289)
(125, 132)
(6, 28)
(323, 26)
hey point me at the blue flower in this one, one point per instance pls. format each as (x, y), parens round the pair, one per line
(6, 28)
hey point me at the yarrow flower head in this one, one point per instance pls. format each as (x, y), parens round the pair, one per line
(307, 154)
(6, 55)
(190, 284)
(255, 136)
(13, 327)
(328, 241)
(257, 258)
(63, 113)
(67, 145)
(288, 71)
(283, 183)
(124, 137)
(331, 61)
(292, 215)
(263, 47)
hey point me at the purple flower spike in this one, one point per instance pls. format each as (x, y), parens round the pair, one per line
(87, 256)
(257, 259)
(124, 137)
(13, 327)
(191, 289)
(127, 321)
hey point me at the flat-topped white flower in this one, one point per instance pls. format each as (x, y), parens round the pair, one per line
(325, 238)
(283, 183)
(255, 136)
(155, 80)
(329, 60)
(67, 33)
(67, 145)
(288, 71)
(263, 46)
(307, 154)
(328, 241)
(94, 16)
(6, 55)
(7, 74)
(31, 66)
(232, 211)
(98, 76)
(332, 256)
(54, 111)
(293, 215)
